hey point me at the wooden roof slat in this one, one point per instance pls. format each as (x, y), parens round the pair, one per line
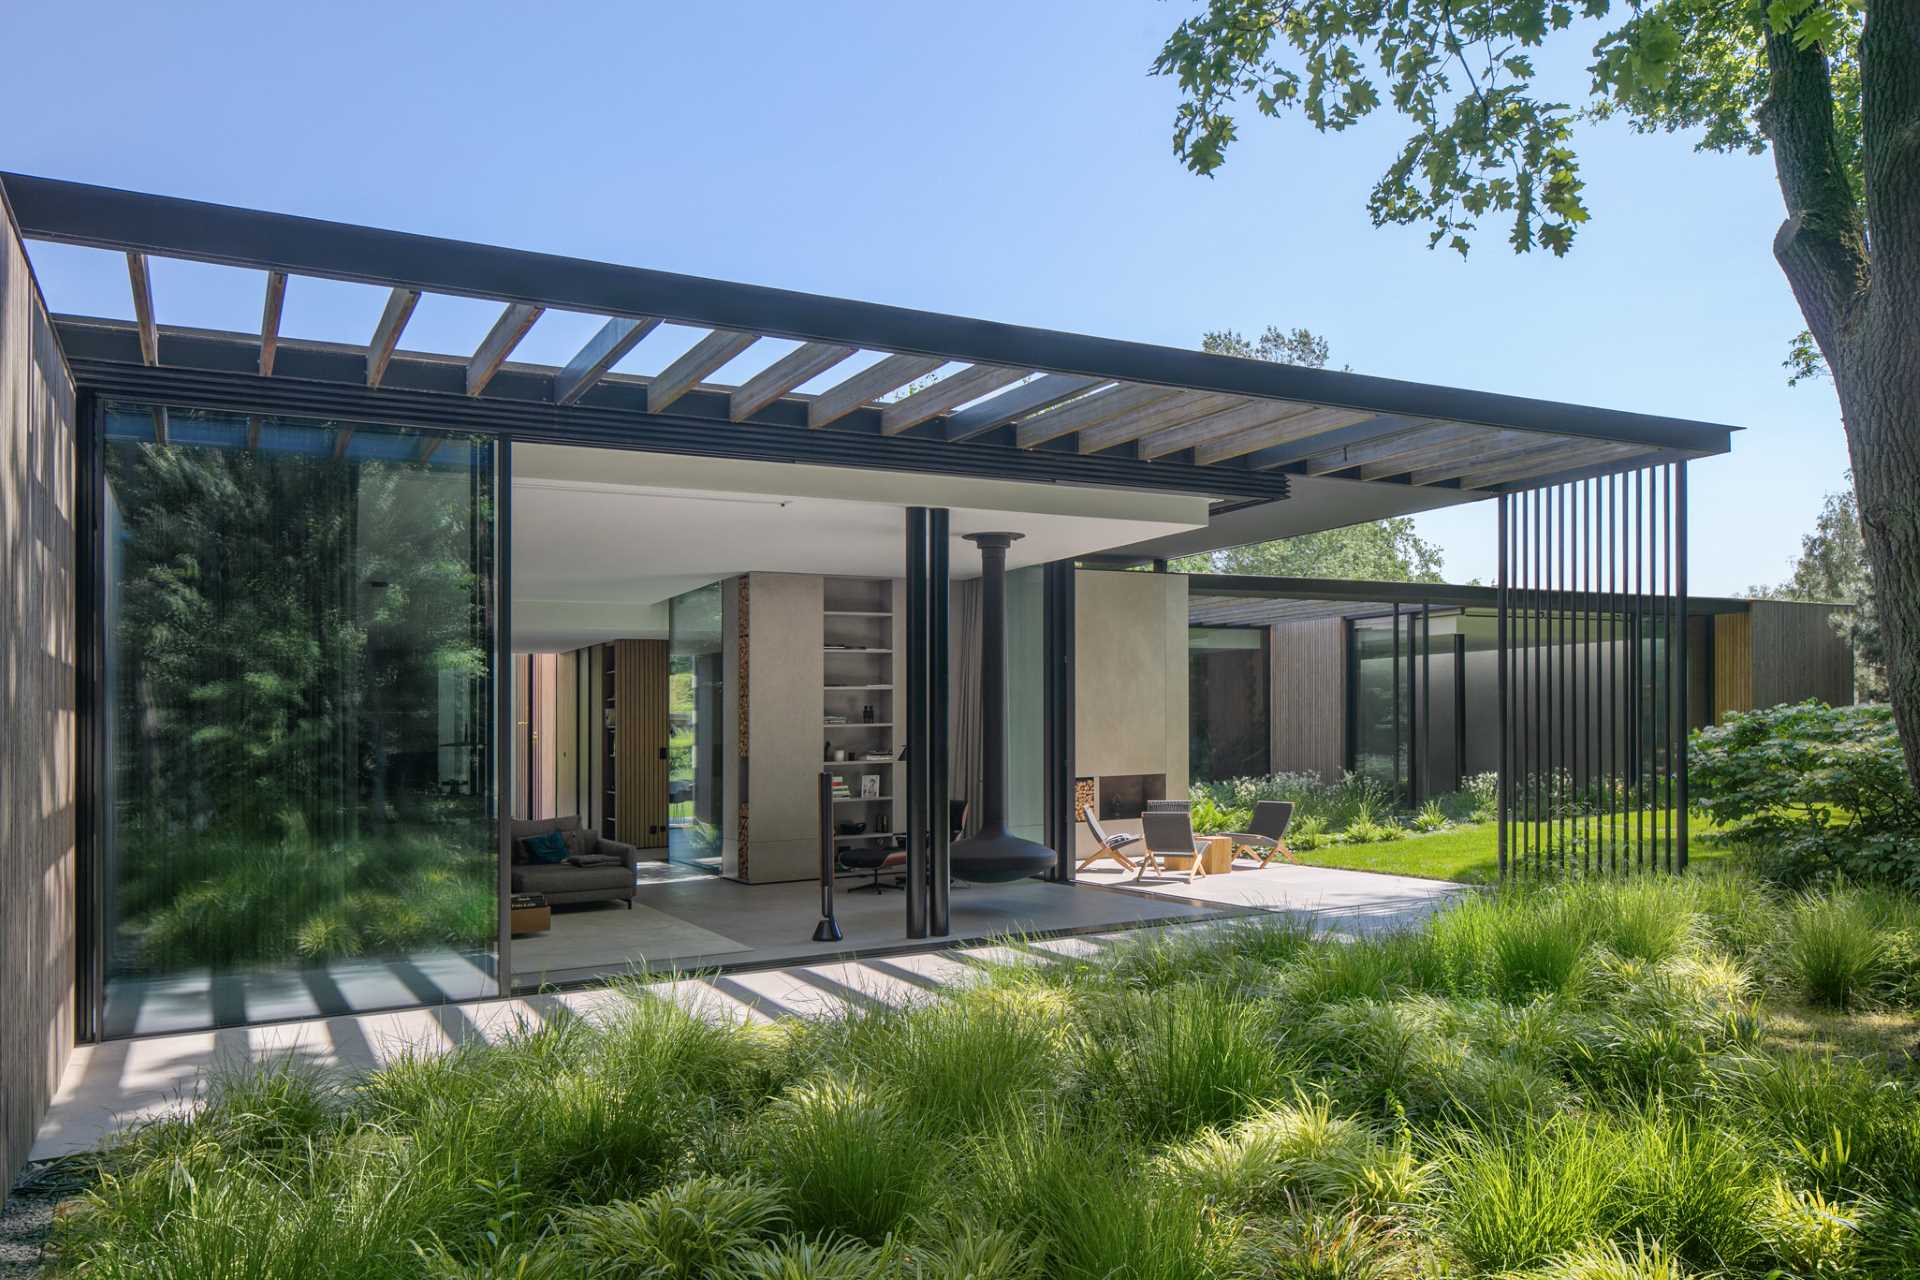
(802, 364)
(1043, 392)
(1299, 426)
(1089, 411)
(1561, 457)
(1181, 406)
(869, 384)
(270, 309)
(950, 392)
(499, 343)
(1422, 438)
(1471, 445)
(142, 286)
(1226, 422)
(700, 360)
(386, 334)
(602, 351)
(1453, 468)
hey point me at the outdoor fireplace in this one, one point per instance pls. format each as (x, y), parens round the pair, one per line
(1125, 795)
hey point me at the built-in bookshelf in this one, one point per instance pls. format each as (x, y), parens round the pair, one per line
(858, 671)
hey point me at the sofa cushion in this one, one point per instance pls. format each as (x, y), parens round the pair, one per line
(518, 829)
(547, 847)
(580, 843)
(570, 879)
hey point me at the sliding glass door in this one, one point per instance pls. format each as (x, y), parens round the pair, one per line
(298, 807)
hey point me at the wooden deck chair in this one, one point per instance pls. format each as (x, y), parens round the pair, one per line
(1110, 846)
(1268, 838)
(1169, 833)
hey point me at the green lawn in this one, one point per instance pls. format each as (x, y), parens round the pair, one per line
(1661, 1079)
(1468, 853)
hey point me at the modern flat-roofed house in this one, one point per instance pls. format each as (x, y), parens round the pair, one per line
(347, 677)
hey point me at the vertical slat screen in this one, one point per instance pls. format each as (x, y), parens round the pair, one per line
(640, 742)
(1593, 675)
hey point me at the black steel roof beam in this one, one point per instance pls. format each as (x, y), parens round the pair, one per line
(76, 213)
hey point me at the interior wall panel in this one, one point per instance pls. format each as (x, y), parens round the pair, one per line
(1309, 691)
(640, 742)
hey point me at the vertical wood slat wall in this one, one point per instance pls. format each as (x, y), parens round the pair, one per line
(640, 741)
(38, 652)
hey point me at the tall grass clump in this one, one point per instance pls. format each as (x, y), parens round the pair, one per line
(1523, 1194)
(1173, 1060)
(685, 1231)
(1295, 1154)
(1832, 951)
(847, 1158)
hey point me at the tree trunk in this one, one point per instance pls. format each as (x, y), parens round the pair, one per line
(1864, 311)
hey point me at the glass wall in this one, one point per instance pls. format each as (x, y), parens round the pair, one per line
(299, 815)
(1377, 702)
(1228, 704)
(696, 689)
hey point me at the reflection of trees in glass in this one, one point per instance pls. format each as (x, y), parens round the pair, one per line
(301, 654)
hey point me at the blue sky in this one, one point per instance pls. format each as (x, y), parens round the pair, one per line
(1013, 163)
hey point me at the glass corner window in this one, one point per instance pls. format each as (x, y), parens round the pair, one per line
(298, 815)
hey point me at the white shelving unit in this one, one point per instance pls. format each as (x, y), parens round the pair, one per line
(857, 645)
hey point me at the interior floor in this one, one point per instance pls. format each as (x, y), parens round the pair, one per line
(705, 922)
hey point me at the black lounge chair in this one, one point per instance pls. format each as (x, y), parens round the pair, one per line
(1168, 833)
(1110, 846)
(1268, 838)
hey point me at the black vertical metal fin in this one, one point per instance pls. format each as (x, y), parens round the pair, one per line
(1501, 574)
(1681, 799)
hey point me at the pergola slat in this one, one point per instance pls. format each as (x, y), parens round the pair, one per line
(950, 392)
(386, 334)
(1299, 426)
(803, 363)
(1423, 440)
(1561, 457)
(700, 360)
(1043, 392)
(499, 343)
(1470, 448)
(1089, 411)
(142, 286)
(1482, 459)
(1182, 406)
(1215, 426)
(615, 338)
(869, 384)
(270, 310)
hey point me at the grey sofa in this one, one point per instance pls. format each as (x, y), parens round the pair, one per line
(561, 882)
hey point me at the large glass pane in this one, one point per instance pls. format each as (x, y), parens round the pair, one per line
(696, 685)
(299, 812)
(1379, 700)
(1227, 702)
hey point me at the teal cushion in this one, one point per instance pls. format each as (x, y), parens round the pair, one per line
(550, 847)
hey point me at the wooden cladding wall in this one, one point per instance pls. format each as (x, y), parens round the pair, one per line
(1732, 664)
(1310, 697)
(37, 653)
(1797, 654)
(640, 742)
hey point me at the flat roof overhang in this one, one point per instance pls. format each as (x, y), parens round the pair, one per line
(1024, 403)
(1253, 600)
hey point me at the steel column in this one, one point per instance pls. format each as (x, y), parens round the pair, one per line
(1058, 728)
(919, 742)
(939, 704)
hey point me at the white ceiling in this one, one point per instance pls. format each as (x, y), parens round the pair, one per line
(603, 538)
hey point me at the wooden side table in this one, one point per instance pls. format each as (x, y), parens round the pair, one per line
(1217, 856)
(530, 919)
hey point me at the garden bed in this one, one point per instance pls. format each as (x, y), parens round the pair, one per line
(1596, 1081)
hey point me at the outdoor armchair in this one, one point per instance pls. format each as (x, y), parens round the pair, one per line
(1168, 833)
(1268, 838)
(1110, 846)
